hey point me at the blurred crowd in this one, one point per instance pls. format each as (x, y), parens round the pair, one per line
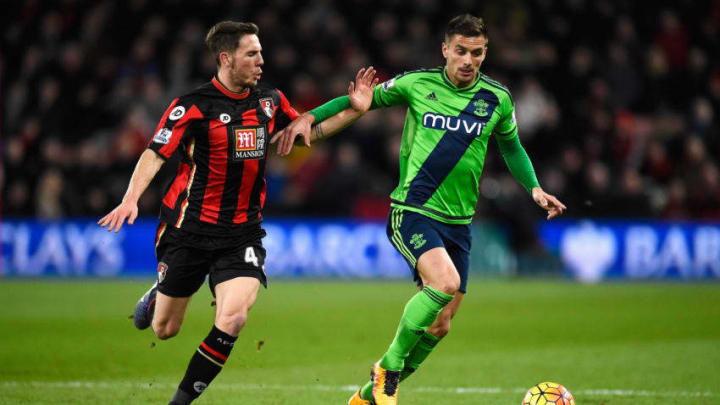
(617, 102)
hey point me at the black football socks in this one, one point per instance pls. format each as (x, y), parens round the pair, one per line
(204, 365)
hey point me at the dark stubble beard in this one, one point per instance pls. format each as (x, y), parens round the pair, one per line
(236, 77)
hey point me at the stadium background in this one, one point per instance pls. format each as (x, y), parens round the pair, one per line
(617, 104)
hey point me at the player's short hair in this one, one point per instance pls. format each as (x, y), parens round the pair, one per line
(225, 36)
(466, 25)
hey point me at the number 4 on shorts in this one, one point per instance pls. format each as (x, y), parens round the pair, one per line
(250, 256)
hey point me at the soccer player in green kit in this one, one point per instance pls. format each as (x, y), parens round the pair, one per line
(452, 112)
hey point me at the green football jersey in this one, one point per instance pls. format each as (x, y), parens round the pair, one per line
(445, 139)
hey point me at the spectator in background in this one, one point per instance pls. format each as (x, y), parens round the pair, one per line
(622, 84)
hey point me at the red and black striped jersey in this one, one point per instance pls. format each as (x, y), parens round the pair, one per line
(222, 138)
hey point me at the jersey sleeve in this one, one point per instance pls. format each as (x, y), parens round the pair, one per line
(392, 92)
(173, 127)
(516, 158)
(285, 113)
(506, 127)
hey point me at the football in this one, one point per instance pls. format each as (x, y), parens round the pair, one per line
(548, 393)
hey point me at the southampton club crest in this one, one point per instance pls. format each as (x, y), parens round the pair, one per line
(480, 107)
(267, 105)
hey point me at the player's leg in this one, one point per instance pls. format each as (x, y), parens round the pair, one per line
(440, 282)
(457, 239)
(235, 298)
(165, 313)
(432, 336)
(422, 349)
(169, 315)
(186, 270)
(235, 283)
(145, 307)
(175, 289)
(415, 237)
(180, 273)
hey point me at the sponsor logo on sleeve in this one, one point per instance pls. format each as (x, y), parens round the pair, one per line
(267, 106)
(388, 84)
(162, 136)
(176, 113)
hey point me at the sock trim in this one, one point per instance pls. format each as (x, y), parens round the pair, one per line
(219, 356)
(429, 339)
(436, 296)
(209, 358)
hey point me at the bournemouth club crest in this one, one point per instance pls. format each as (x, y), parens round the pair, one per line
(267, 105)
(162, 271)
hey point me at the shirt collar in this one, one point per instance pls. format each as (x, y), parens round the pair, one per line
(232, 94)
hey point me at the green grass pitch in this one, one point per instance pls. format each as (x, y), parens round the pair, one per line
(613, 344)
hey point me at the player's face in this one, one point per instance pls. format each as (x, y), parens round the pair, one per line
(464, 56)
(246, 62)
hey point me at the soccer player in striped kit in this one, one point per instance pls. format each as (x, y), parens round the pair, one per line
(452, 112)
(211, 215)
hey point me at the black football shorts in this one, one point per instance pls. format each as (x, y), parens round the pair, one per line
(185, 259)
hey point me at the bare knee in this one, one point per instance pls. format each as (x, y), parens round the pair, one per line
(448, 283)
(165, 329)
(232, 323)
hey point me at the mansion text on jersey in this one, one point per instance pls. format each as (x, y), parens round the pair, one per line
(444, 122)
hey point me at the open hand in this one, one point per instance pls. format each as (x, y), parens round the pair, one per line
(298, 127)
(361, 91)
(548, 202)
(116, 218)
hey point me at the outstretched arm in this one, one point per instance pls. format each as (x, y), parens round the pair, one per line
(522, 170)
(360, 97)
(360, 94)
(145, 170)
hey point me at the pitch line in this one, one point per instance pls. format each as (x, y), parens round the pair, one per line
(342, 388)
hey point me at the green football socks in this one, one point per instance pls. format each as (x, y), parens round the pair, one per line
(417, 355)
(412, 343)
(420, 312)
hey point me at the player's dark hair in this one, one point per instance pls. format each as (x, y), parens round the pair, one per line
(467, 26)
(225, 36)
